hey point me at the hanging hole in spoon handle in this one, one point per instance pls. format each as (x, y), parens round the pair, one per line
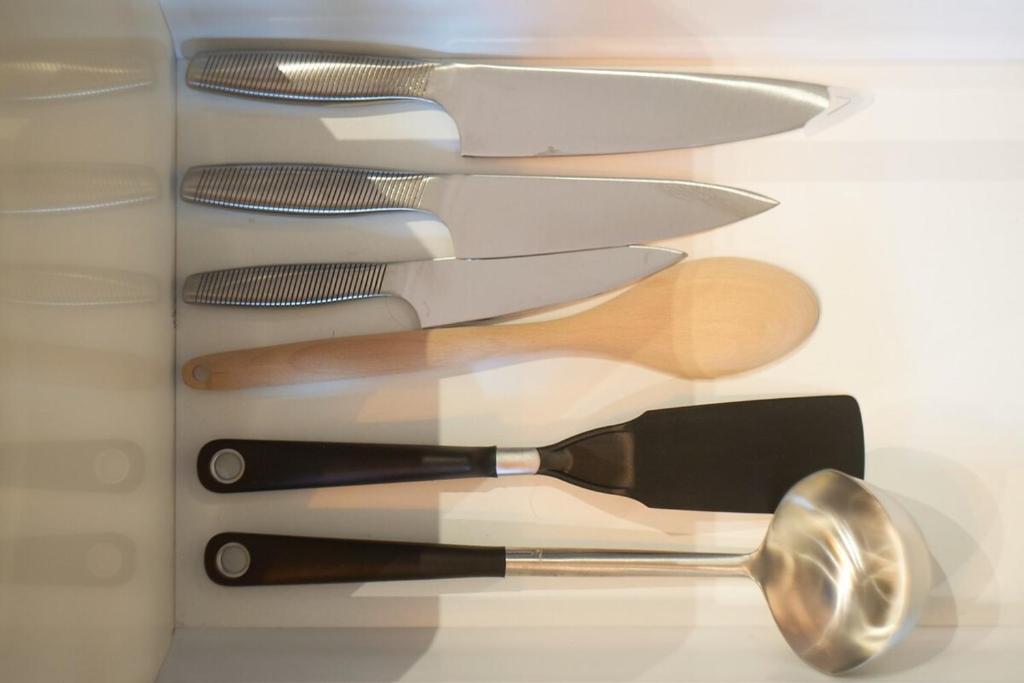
(196, 374)
(241, 559)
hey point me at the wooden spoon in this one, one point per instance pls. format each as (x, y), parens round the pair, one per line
(699, 319)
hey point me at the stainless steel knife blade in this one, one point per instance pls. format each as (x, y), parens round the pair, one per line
(488, 215)
(521, 111)
(442, 291)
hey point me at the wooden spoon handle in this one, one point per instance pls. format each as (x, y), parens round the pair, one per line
(345, 357)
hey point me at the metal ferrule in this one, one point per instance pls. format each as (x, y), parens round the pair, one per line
(568, 562)
(510, 461)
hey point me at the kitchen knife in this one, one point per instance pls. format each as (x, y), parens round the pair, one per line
(727, 457)
(442, 291)
(698, 319)
(520, 111)
(487, 215)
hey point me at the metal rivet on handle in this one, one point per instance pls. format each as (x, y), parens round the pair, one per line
(233, 560)
(227, 466)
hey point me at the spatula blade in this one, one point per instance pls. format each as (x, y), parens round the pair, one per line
(724, 457)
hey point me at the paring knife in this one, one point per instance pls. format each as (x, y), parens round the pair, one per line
(519, 111)
(442, 291)
(727, 457)
(488, 215)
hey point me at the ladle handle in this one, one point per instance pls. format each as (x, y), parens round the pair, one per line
(240, 559)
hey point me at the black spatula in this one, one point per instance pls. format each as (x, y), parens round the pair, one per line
(731, 457)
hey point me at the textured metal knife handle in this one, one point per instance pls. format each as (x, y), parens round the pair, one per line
(311, 76)
(286, 285)
(302, 188)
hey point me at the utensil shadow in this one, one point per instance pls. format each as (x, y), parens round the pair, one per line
(960, 567)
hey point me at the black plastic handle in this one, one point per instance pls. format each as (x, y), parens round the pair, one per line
(240, 559)
(235, 465)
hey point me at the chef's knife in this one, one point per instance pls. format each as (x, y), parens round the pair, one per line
(442, 291)
(488, 215)
(731, 457)
(519, 111)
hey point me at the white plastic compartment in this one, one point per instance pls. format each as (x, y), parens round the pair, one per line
(86, 340)
(903, 218)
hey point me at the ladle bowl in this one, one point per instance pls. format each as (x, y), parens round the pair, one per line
(844, 569)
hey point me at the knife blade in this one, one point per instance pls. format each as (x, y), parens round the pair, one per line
(526, 111)
(724, 457)
(487, 215)
(441, 291)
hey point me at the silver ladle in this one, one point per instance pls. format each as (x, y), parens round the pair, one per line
(844, 573)
(844, 569)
